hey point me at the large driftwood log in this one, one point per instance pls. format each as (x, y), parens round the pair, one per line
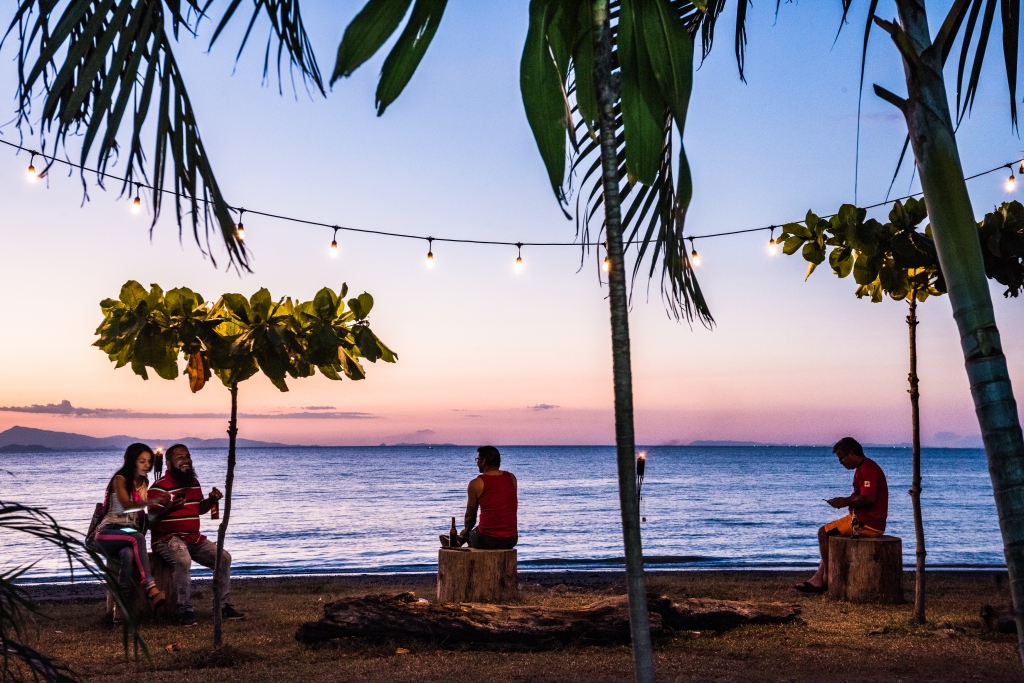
(605, 622)
(477, 575)
(866, 569)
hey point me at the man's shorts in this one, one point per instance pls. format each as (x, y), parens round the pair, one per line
(844, 527)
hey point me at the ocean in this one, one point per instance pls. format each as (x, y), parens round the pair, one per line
(380, 509)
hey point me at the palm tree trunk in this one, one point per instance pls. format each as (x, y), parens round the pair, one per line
(915, 486)
(607, 96)
(956, 238)
(218, 588)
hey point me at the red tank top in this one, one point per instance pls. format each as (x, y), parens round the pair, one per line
(498, 506)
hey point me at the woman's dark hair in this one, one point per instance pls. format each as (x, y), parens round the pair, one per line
(490, 455)
(848, 446)
(131, 455)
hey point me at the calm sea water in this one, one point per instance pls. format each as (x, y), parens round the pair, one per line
(337, 510)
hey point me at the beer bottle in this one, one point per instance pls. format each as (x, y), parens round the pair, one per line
(453, 536)
(215, 510)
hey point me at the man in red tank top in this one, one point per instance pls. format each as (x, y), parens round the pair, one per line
(869, 507)
(494, 492)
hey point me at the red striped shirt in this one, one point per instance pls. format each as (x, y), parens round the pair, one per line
(183, 522)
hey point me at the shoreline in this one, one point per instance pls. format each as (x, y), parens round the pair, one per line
(92, 590)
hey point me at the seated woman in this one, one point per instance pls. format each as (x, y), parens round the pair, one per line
(121, 533)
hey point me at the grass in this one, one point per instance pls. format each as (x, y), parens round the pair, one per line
(831, 642)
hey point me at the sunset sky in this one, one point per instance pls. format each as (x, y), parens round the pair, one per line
(488, 355)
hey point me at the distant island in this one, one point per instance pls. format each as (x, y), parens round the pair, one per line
(29, 440)
(19, 448)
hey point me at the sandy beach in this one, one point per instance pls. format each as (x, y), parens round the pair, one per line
(830, 642)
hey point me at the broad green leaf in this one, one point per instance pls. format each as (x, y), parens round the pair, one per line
(542, 94)
(261, 303)
(405, 56)
(583, 68)
(792, 244)
(865, 268)
(814, 253)
(643, 107)
(366, 33)
(366, 302)
(670, 51)
(841, 260)
(132, 294)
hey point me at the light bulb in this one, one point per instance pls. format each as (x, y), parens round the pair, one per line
(32, 175)
(1021, 170)
(334, 247)
(1011, 183)
(695, 257)
(773, 247)
(137, 204)
(240, 232)
(430, 259)
(607, 264)
(519, 264)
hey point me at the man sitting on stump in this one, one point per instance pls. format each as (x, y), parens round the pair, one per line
(495, 493)
(174, 520)
(869, 507)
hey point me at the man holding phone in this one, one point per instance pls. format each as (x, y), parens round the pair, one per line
(174, 515)
(869, 508)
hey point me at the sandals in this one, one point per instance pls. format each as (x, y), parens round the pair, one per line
(808, 587)
(156, 596)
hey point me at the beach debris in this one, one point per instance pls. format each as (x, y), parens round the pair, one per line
(529, 627)
(878, 631)
(173, 647)
(944, 632)
(401, 651)
(998, 619)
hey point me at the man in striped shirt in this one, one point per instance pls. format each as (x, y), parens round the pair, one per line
(174, 520)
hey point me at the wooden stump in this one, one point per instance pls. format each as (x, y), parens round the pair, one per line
(477, 575)
(162, 574)
(866, 569)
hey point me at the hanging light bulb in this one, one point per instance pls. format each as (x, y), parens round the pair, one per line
(240, 229)
(1011, 182)
(137, 204)
(430, 252)
(32, 175)
(334, 243)
(519, 258)
(694, 256)
(773, 246)
(607, 265)
(1021, 169)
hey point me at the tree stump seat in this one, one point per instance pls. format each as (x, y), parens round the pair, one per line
(866, 569)
(162, 574)
(477, 575)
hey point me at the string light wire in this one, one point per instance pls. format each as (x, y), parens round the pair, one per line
(1011, 184)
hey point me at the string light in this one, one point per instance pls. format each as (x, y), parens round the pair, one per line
(33, 176)
(519, 258)
(334, 243)
(240, 229)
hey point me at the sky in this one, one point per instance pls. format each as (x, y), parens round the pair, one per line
(487, 355)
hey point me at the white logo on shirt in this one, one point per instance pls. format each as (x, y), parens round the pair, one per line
(867, 484)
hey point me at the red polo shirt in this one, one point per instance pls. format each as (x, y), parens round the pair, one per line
(869, 480)
(183, 522)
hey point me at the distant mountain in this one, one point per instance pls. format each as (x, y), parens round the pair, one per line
(733, 444)
(44, 439)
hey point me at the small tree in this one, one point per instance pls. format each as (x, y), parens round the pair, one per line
(895, 259)
(235, 338)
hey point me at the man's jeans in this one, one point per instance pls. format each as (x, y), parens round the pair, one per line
(179, 555)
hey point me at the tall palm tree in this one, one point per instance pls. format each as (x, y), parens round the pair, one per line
(618, 72)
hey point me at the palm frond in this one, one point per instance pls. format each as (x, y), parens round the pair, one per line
(16, 657)
(971, 11)
(102, 68)
(292, 42)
